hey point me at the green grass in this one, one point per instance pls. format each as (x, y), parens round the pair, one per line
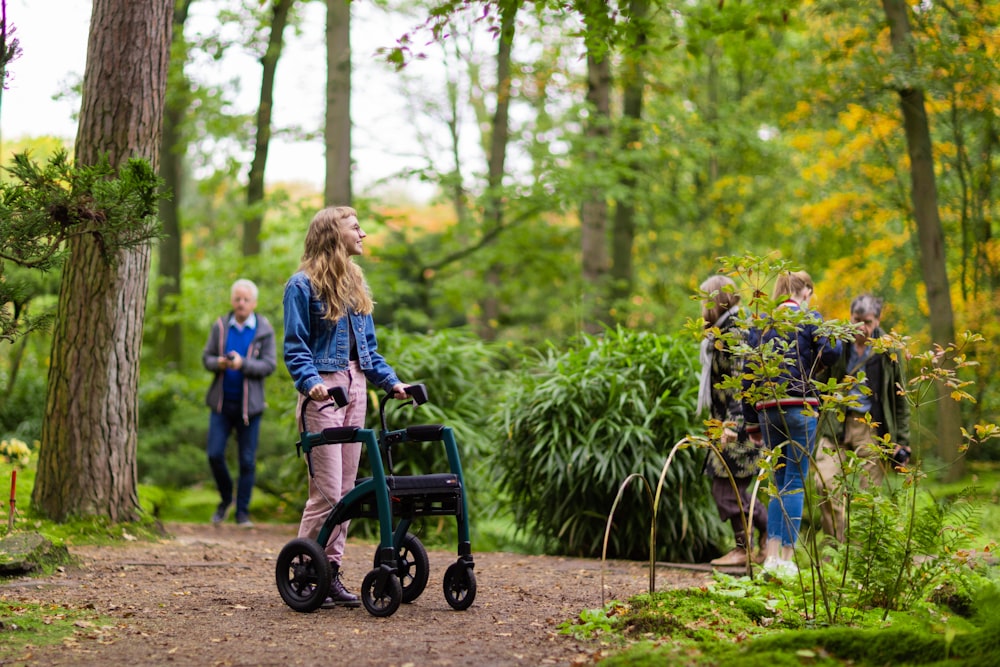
(26, 623)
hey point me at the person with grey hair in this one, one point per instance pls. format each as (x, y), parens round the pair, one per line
(240, 353)
(890, 415)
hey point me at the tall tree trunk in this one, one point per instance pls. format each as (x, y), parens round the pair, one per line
(499, 136)
(623, 232)
(337, 134)
(594, 209)
(255, 181)
(86, 463)
(929, 232)
(456, 180)
(172, 149)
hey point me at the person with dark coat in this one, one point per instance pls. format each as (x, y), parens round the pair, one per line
(240, 352)
(736, 460)
(890, 416)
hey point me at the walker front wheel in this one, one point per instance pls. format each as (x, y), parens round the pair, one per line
(381, 592)
(302, 573)
(413, 567)
(459, 586)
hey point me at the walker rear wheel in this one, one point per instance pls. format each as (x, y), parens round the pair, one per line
(302, 573)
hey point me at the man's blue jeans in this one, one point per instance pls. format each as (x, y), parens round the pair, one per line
(220, 425)
(796, 433)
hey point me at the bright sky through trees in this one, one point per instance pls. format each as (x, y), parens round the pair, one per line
(53, 38)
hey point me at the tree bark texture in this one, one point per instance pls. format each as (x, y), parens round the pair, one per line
(623, 231)
(929, 232)
(337, 133)
(87, 459)
(265, 110)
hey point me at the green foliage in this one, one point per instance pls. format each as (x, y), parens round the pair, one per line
(895, 558)
(42, 207)
(173, 423)
(22, 406)
(92, 530)
(428, 280)
(898, 545)
(460, 372)
(594, 623)
(740, 621)
(573, 425)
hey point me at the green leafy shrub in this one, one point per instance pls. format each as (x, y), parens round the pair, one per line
(23, 407)
(575, 424)
(171, 443)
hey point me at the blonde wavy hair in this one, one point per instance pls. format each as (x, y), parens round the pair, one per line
(338, 282)
(789, 284)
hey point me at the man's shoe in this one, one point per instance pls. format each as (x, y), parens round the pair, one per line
(735, 558)
(339, 595)
(221, 512)
(243, 520)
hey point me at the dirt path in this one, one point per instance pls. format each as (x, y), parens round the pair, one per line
(208, 597)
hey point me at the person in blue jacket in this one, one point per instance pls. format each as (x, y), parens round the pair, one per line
(782, 410)
(330, 341)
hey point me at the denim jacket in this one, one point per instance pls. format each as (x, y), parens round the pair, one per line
(807, 354)
(314, 345)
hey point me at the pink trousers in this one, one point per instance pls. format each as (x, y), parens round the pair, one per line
(335, 467)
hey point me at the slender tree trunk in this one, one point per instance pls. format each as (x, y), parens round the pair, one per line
(929, 232)
(86, 463)
(172, 149)
(337, 135)
(623, 232)
(456, 179)
(499, 136)
(594, 209)
(255, 181)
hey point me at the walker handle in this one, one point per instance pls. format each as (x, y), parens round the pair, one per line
(339, 396)
(418, 392)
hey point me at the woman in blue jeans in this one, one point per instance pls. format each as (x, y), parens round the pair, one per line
(782, 411)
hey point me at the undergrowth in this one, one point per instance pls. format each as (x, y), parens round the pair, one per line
(745, 622)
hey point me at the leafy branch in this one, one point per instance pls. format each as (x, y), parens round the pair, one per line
(44, 206)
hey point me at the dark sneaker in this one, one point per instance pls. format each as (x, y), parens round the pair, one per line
(339, 595)
(243, 520)
(221, 512)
